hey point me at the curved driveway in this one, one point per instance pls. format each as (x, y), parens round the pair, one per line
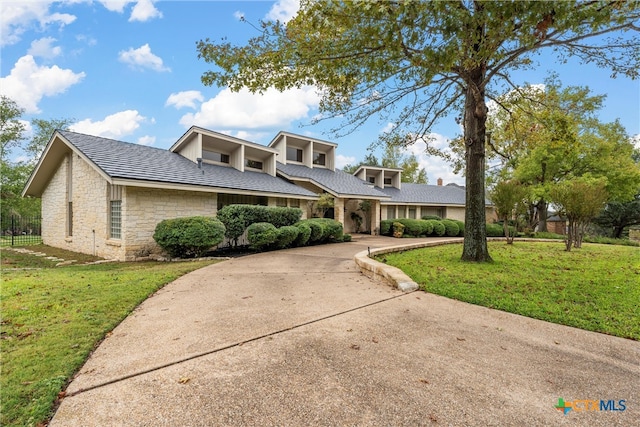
(301, 338)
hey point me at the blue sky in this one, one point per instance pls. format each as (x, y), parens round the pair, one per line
(129, 70)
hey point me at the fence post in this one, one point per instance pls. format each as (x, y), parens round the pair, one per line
(13, 227)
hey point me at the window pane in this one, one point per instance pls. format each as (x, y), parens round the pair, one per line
(115, 226)
(319, 158)
(391, 212)
(294, 203)
(281, 202)
(215, 156)
(294, 154)
(254, 164)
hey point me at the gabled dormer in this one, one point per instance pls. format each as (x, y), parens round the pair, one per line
(379, 176)
(302, 150)
(201, 145)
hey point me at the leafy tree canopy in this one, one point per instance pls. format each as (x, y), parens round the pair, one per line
(416, 61)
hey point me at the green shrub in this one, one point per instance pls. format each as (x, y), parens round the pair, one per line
(548, 235)
(426, 227)
(438, 228)
(497, 230)
(412, 227)
(451, 228)
(386, 226)
(460, 226)
(317, 231)
(432, 217)
(398, 229)
(304, 232)
(331, 229)
(609, 241)
(346, 237)
(261, 235)
(286, 236)
(237, 218)
(189, 237)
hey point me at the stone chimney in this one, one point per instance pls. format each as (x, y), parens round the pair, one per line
(440, 181)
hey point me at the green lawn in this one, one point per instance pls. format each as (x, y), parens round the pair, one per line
(596, 288)
(52, 318)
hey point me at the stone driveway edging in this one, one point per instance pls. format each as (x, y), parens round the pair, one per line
(397, 278)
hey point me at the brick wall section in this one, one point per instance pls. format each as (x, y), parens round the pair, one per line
(144, 208)
(89, 211)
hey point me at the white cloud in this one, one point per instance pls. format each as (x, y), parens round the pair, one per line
(185, 98)
(283, 10)
(28, 82)
(44, 48)
(147, 140)
(238, 15)
(342, 161)
(18, 17)
(388, 128)
(142, 58)
(143, 11)
(244, 110)
(436, 167)
(114, 126)
(115, 5)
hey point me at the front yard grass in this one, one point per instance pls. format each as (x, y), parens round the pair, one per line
(52, 318)
(596, 288)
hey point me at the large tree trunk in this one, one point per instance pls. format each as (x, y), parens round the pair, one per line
(475, 117)
(543, 208)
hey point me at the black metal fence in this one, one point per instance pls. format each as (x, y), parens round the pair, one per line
(21, 230)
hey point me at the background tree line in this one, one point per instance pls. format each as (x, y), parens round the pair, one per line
(15, 172)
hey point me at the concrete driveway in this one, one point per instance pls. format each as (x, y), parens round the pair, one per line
(301, 338)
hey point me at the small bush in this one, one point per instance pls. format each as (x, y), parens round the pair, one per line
(434, 217)
(438, 228)
(451, 228)
(304, 232)
(261, 235)
(189, 237)
(286, 236)
(237, 218)
(317, 231)
(346, 237)
(426, 228)
(460, 227)
(548, 235)
(497, 230)
(398, 229)
(386, 227)
(412, 227)
(332, 229)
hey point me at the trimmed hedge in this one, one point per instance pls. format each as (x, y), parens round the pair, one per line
(189, 237)
(451, 228)
(331, 229)
(460, 227)
(261, 235)
(237, 218)
(304, 232)
(385, 227)
(428, 217)
(286, 236)
(317, 231)
(497, 230)
(438, 228)
(412, 227)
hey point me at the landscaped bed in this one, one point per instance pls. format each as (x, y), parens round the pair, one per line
(52, 318)
(596, 288)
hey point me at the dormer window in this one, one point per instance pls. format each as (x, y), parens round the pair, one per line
(215, 156)
(294, 154)
(387, 181)
(372, 179)
(319, 158)
(253, 164)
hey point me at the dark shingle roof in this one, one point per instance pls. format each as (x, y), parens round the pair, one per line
(337, 181)
(427, 194)
(132, 161)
